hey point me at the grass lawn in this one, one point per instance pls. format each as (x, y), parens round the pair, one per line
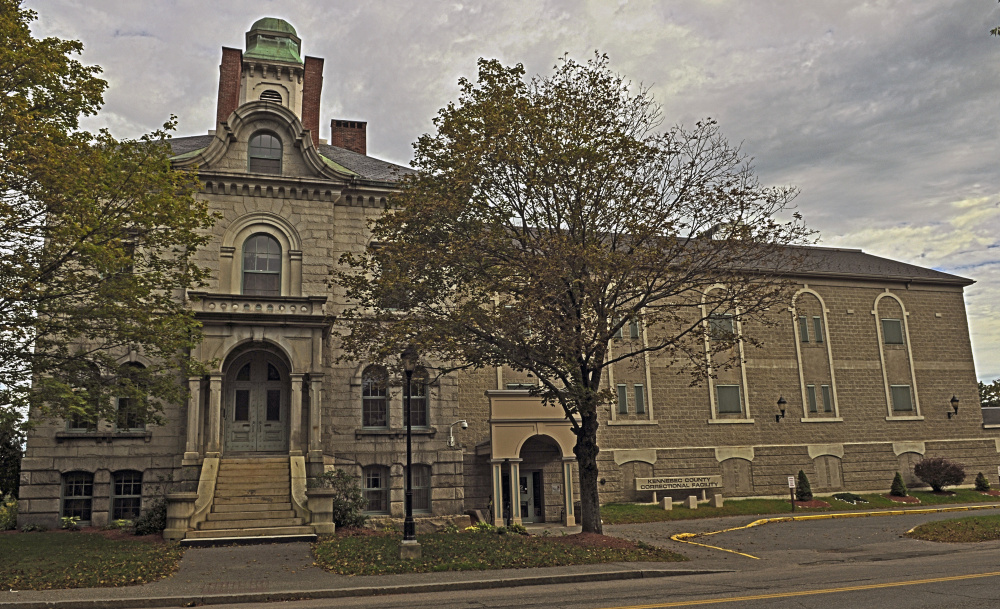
(624, 513)
(959, 530)
(377, 554)
(81, 559)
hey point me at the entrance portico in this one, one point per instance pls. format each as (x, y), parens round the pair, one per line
(521, 424)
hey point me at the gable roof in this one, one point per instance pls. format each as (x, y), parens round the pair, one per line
(842, 263)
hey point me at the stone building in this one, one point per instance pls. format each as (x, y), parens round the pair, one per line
(866, 357)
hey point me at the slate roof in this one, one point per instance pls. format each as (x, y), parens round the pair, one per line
(367, 168)
(836, 262)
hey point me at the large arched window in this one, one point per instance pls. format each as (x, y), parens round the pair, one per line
(264, 153)
(262, 266)
(374, 397)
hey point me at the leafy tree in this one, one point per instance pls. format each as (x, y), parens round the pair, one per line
(97, 237)
(546, 215)
(939, 472)
(898, 488)
(11, 451)
(989, 394)
(803, 490)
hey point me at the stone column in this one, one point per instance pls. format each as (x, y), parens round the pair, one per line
(191, 449)
(295, 417)
(515, 491)
(315, 417)
(497, 479)
(568, 491)
(213, 447)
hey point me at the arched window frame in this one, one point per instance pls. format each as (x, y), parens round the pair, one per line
(914, 414)
(231, 264)
(712, 323)
(262, 158)
(809, 340)
(375, 397)
(253, 280)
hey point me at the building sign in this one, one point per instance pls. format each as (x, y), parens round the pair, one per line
(677, 483)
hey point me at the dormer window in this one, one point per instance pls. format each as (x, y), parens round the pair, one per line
(264, 153)
(270, 95)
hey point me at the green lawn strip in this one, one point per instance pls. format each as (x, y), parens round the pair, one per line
(959, 530)
(468, 551)
(627, 513)
(45, 561)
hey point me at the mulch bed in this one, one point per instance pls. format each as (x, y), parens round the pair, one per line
(993, 493)
(812, 503)
(896, 499)
(593, 540)
(112, 534)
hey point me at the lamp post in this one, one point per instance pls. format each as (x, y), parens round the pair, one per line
(409, 548)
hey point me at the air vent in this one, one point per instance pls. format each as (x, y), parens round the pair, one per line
(271, 96)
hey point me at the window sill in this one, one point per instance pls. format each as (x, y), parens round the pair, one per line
(730, 421)
(638, 422)
(990, 426)
(393, 432)
(103, 436)
(904, 418)
(822, 420)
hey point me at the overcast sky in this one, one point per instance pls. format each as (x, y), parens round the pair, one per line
(886, 114)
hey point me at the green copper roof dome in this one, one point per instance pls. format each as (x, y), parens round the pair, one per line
(273, 39)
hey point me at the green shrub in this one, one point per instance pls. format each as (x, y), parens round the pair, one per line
(982, 484)
(850, 498)
(349, 503)
(481, 527)
(153, 520)
(70, 523)
(30, 527)
(115, 525)
(8, 513)
(898, 488)
(803, 491)
(939, 473)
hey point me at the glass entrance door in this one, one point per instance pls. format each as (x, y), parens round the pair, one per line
(257, 406)
(531, 497)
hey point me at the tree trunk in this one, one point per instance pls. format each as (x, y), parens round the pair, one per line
(586, 450)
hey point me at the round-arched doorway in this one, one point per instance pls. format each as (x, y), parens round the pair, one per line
(256, 404)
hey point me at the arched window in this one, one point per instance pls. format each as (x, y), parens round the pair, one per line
(264, 153)
(130, 411)
(126, 502)
(374, 393)
(420, 478)
(418, 398)
(270, 95)
(375, 479)
(77, 495)
(262, 266)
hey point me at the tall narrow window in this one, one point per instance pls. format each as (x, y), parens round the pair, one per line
(264, 154)
(901, 401)
(78, 495)
(803, 328)
(262, 266)
(130, 411)
(728, 397)
(127, 499)
(418, 399)
(811, 396)
(633, 329)
(640, 399)
(818, 329)
(376, 489)
(374, 392)
(622, 399)
(827, 398)
(892, 331)
(421, 485)
(720, 327)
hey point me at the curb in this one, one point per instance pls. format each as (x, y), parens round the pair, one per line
(293, 595)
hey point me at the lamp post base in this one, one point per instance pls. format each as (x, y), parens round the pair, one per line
(409, 549)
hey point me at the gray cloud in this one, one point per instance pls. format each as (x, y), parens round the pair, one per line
(885, 114)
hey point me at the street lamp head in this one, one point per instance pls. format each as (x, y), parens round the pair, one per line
(409, 359)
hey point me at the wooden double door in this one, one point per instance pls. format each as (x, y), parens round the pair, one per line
(257, 397)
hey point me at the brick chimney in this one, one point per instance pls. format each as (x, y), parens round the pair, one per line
(230, 71)
(312, 86)
(349, 134)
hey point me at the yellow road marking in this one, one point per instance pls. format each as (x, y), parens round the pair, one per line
(685, 537)
(733, 599)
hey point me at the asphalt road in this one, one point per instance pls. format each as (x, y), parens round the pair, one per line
(859, 563)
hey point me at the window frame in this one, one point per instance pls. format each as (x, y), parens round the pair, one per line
(803, 328)
(419, 402)
(118, 496)
(813, 404)
(254, 161)
(369, 491)
(719, 401)
(372, 402)
(639, 392)
(885, 333)
(421, 488)
(269, 257)
(909, 395)
(86, 499)
(622, 398)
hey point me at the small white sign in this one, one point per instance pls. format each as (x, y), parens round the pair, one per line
(791, 482)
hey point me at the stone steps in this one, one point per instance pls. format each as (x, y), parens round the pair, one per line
(250, 507)
(242, 524)
(252, 532)
(250, 515)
